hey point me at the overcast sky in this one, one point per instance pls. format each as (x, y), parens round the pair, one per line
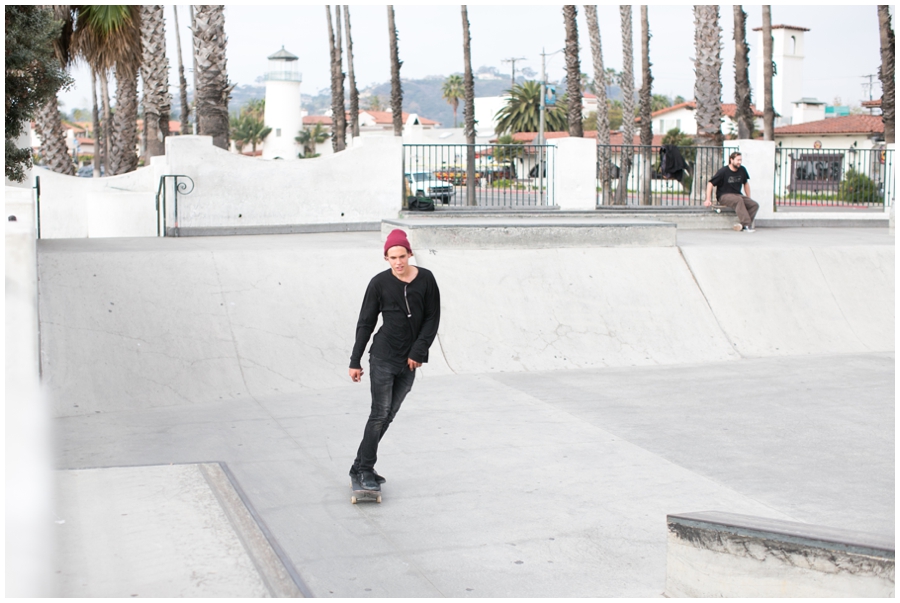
(842, 45)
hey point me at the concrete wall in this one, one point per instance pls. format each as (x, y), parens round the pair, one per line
(361, 184)
(29, 495)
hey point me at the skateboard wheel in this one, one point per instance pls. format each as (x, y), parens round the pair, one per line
(353, 499)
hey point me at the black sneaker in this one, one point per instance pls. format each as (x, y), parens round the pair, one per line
(368, 482)
(354, 473)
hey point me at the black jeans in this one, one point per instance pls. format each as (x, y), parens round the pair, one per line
(390, 384)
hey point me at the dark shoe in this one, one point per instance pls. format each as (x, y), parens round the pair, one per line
(378, 478)
(368, 481)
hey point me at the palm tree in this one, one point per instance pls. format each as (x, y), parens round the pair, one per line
(182, 82)
(470, 110)
(646, 97)
(212, 90)
(396, 63)
(707, 92)
(603, 157)
(338, 113)
(522, 111)
(155, 76)
(249, 128)
(452, 91)
(309, 138)
(886, 73)
(627, 84)
(744, 112)
(768, 74)
(351, 79)
(573, 72)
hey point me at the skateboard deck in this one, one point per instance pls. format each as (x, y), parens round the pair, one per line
(358, 493)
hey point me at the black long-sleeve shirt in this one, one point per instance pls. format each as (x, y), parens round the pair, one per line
(411, 313)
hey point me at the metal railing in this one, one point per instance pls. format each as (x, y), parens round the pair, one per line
(848, 178)
(669, 176)
(177, 187)
(512, 176)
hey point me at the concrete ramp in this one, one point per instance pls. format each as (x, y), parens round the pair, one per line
(546, 309)
(776, 300)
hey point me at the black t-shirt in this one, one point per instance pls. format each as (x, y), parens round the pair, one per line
(728, 181)
(411, 313)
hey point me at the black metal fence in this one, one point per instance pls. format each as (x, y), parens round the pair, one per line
(859, 178)
(672, 176)
(498, 176)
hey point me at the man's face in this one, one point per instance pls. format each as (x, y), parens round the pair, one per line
(398, 258)
(735, 163)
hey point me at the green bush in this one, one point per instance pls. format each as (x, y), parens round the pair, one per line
(859, 188)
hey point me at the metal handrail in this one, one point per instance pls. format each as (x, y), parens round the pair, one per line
(178, 187)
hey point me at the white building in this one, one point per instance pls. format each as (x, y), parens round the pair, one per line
(283, 113)
(787, 83)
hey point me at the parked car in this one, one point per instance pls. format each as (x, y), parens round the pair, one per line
(87, 171)
(424, 184)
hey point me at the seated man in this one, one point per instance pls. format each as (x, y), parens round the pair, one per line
(728, 182)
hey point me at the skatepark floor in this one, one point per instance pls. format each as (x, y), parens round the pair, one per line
(499, 484)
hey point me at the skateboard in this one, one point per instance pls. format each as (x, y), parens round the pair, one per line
(359, 494)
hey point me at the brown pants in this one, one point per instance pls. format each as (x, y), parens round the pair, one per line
(744, 207)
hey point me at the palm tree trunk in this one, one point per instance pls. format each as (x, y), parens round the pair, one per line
(886, 73)
(603, 155)
(646, 95)
(155, 75)
(627, 104)
(195, 47)
(338, 113)
(107, 124)
(95, 119)
(469, 110)
(213, 89)
(707, 94)
(53, 139)
(744, 112)
(123, 156)
(396, 63)
(768, 73)
(351, 79)
(574, 107)
(182, 82)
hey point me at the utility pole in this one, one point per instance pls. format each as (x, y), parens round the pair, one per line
(870, 85)
(513, 61)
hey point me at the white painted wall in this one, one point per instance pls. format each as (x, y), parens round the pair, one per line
(284, 117)
(576, 173)
(29, 477)
(361, 184)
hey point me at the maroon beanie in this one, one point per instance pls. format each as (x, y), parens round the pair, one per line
(397, 238)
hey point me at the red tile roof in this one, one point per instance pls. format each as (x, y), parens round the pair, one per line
(728, 109)
(383, 118)
(848, 124)
(783, 27)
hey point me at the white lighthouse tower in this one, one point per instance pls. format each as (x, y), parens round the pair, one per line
(282, 106)
(787, 83)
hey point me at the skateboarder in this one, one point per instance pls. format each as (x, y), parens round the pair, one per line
(728, 182)
(409, 302)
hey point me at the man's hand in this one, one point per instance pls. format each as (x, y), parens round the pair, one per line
(356, 375)
(413, 365)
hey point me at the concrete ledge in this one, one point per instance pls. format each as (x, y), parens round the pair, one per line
(714, 554)
(532, 233)
(218, 231)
